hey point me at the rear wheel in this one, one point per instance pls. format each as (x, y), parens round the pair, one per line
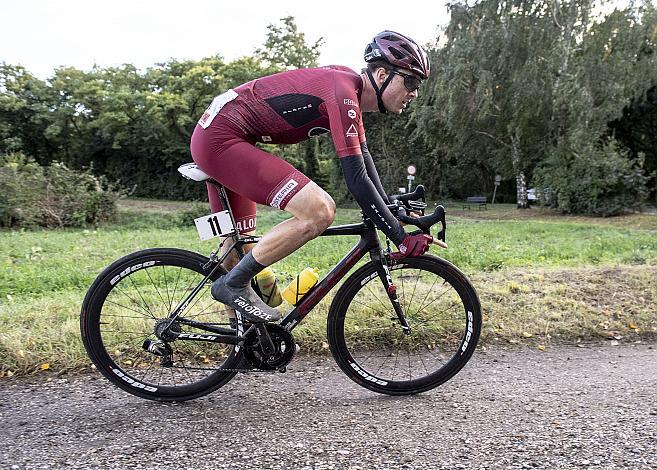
(369, 344)
(126, 303)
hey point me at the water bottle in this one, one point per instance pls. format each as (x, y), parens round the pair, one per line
(301, 285)
(268, 289)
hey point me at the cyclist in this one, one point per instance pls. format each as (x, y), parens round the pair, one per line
(286, 108)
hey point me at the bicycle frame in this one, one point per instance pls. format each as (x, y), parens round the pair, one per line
(368, 243)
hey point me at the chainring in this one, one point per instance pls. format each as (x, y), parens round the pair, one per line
(284, 348)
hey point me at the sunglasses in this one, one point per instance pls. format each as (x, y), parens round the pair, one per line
(411, 82)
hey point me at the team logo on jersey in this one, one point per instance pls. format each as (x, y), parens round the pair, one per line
(315, 131)
(352, 132)
(351, 113)
(349, 102)
(296, 108)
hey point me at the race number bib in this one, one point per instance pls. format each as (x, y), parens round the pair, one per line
(217, 103)
(214, 225)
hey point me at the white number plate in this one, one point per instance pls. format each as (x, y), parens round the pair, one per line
(214, 225)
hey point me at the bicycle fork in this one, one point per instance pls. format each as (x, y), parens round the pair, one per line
(391, 290)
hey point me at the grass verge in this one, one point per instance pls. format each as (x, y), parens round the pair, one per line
(542, 279)
(540, 307)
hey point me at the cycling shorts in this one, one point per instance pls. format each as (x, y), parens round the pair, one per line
(249, 174)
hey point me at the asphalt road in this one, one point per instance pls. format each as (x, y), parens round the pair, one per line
(592, 407)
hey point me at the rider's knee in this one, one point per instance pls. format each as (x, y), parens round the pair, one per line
(321, 216)
(326, 214)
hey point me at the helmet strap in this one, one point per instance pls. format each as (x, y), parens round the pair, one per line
(379, 91)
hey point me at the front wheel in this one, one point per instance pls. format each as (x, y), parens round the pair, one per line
(134, 296)
(367, 340)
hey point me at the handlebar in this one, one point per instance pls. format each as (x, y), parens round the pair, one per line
(415, 202)
(416, 195)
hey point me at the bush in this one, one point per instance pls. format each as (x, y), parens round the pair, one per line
(52, 196)
(599, 180)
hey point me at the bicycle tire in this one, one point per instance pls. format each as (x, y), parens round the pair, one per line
(362, 322)
(120, 310)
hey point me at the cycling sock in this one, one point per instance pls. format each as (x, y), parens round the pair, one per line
(235, 291)
(244, 271)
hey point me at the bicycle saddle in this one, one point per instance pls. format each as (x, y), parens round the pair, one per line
(192, 172)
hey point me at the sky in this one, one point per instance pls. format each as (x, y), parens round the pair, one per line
(44, 34)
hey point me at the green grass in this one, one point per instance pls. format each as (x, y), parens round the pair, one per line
(46, 273)
(40, 263)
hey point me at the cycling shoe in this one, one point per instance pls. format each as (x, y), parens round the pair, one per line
(244, 300)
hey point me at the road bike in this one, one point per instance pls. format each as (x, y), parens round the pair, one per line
(394, 326)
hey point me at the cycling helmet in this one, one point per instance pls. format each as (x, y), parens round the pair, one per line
(399, 51)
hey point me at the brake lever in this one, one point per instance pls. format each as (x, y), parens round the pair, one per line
(443, 223)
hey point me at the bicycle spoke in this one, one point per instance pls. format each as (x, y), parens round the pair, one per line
(209, 306)
(422, 308)
(376, 296)
(429, 291)
(370, 307)
(196, 299)
(137, 304)
(155, 286)
(143, 315)
(417, 279)
(173, 296)
(166, 287)
(133, 333)
(124, 316)
(141, 296)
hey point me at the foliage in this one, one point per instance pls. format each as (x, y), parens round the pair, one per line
(518, 89)
(51, 196)
(636, 131)
(519, 81)
(586, 178)
(134, 127)
(285, 47)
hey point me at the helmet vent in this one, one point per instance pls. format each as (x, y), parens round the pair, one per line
(408, 49)
(398, 54)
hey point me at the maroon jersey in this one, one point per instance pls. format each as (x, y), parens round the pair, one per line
(292, 106)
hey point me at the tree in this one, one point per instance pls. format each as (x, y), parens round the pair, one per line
(286, 47)
(603, 69)
(636, 131)
(525, 83)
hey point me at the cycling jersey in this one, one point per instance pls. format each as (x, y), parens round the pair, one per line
(287, 108)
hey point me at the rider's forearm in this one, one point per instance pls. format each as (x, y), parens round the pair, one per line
(369, 199)
(372, 173)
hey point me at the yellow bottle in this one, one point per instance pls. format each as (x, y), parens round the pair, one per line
(266, 282)
(301, 285)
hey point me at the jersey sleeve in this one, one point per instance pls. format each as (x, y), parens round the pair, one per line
(345, 118)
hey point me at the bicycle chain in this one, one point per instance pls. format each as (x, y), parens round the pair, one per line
(226, 370)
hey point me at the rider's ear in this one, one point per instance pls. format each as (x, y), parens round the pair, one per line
(381, 74)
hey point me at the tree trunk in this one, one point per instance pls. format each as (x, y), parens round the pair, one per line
(521, 180)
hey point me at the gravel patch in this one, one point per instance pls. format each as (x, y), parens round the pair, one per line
(591, 407)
